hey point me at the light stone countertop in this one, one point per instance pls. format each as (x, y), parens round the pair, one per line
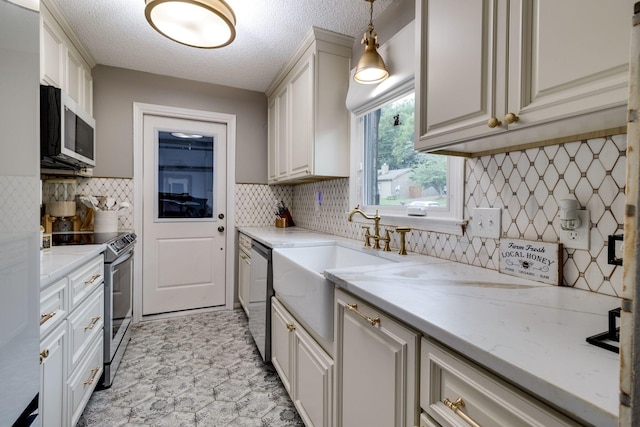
(61, 260)
(530, 333)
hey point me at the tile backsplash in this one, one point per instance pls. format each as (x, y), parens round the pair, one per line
(255, 203)
(525, 184)
(121, 189)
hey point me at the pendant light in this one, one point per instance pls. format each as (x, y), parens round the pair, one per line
(204, 24)
(371, 68)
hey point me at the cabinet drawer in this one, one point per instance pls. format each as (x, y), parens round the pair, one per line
(53, 306)
(426, 421)
(84, 324)
(85, 279)
(245, 242)
(485, 399)
(84, 380)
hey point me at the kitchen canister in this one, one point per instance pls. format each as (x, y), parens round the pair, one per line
(105, 221)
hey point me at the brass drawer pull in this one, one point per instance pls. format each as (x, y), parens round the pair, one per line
(456, 407)
(372, 321)
(46, 316)
(94, 320)
(94, 372)
(93, 279)
(43, 355)
(291, 327)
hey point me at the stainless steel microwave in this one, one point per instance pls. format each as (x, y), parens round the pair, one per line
(67, 132)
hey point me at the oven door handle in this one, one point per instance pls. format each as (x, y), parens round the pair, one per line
(122, 258)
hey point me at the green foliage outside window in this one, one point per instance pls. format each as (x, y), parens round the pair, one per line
(395, 149)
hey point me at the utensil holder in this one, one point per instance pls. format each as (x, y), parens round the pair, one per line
(105, 221)
(281, 222)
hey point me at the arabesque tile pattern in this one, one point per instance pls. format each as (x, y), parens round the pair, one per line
(526, 185)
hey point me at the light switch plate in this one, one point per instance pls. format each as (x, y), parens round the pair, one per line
(579, 238)
(487, 222)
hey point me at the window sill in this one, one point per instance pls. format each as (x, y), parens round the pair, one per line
(426, 223)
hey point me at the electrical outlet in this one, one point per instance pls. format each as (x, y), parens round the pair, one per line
(487, 222)
(578, 238)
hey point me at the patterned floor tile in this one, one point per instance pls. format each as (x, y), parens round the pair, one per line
(199, 370)
(255, 404)
(150, 410)
(176, 419)
(217, 414)
(231, 390)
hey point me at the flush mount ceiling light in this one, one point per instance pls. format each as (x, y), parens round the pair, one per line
(186, 135)
(371, 68)
(205, 24)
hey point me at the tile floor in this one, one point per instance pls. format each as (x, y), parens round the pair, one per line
(197, 370)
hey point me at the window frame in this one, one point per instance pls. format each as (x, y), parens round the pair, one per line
(447, 220)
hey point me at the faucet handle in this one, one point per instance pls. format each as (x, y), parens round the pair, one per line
(403, 241)
(367, 235)
(387, 239)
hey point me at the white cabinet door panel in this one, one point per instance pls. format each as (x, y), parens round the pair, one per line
(376, 363)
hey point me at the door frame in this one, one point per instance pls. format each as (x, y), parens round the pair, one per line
(139, 111)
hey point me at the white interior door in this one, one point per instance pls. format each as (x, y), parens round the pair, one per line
(184, 214)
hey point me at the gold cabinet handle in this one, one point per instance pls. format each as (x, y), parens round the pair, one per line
(46, 316)
(43, 355)
(373, 321)
(493, 122)
(93, 279)
(511, 118)
(94, 372)
(291, 327)
(94, 320)
(456, 407)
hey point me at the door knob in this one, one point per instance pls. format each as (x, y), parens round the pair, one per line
(510, 118)
(221, 229)
(221, 216)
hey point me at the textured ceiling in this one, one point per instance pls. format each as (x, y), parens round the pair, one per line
(116, 33)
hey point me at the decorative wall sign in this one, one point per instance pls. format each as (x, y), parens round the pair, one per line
(540, 261)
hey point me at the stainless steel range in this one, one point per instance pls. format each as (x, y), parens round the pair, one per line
(118, 291)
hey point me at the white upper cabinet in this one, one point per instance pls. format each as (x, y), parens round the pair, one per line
(308, 120)
(495, 73)
(63, 63)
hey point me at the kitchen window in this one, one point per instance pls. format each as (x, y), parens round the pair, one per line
(393, 178)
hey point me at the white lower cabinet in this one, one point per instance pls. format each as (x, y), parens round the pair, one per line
(71, 343)
(84, 379)
(305, 369)
(53, 377)
(376, 367)
(455, 392)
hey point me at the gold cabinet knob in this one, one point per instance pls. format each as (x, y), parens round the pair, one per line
(493, 122)
(510, 118)
(43, 355)
(291, 327)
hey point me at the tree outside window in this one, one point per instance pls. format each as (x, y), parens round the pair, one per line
(394, 173)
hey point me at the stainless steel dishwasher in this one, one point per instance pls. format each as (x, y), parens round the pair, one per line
(260, 293)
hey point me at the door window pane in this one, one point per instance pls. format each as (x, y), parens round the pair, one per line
(185, 175)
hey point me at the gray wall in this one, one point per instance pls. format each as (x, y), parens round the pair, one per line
(394, 18)
(116, 89)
